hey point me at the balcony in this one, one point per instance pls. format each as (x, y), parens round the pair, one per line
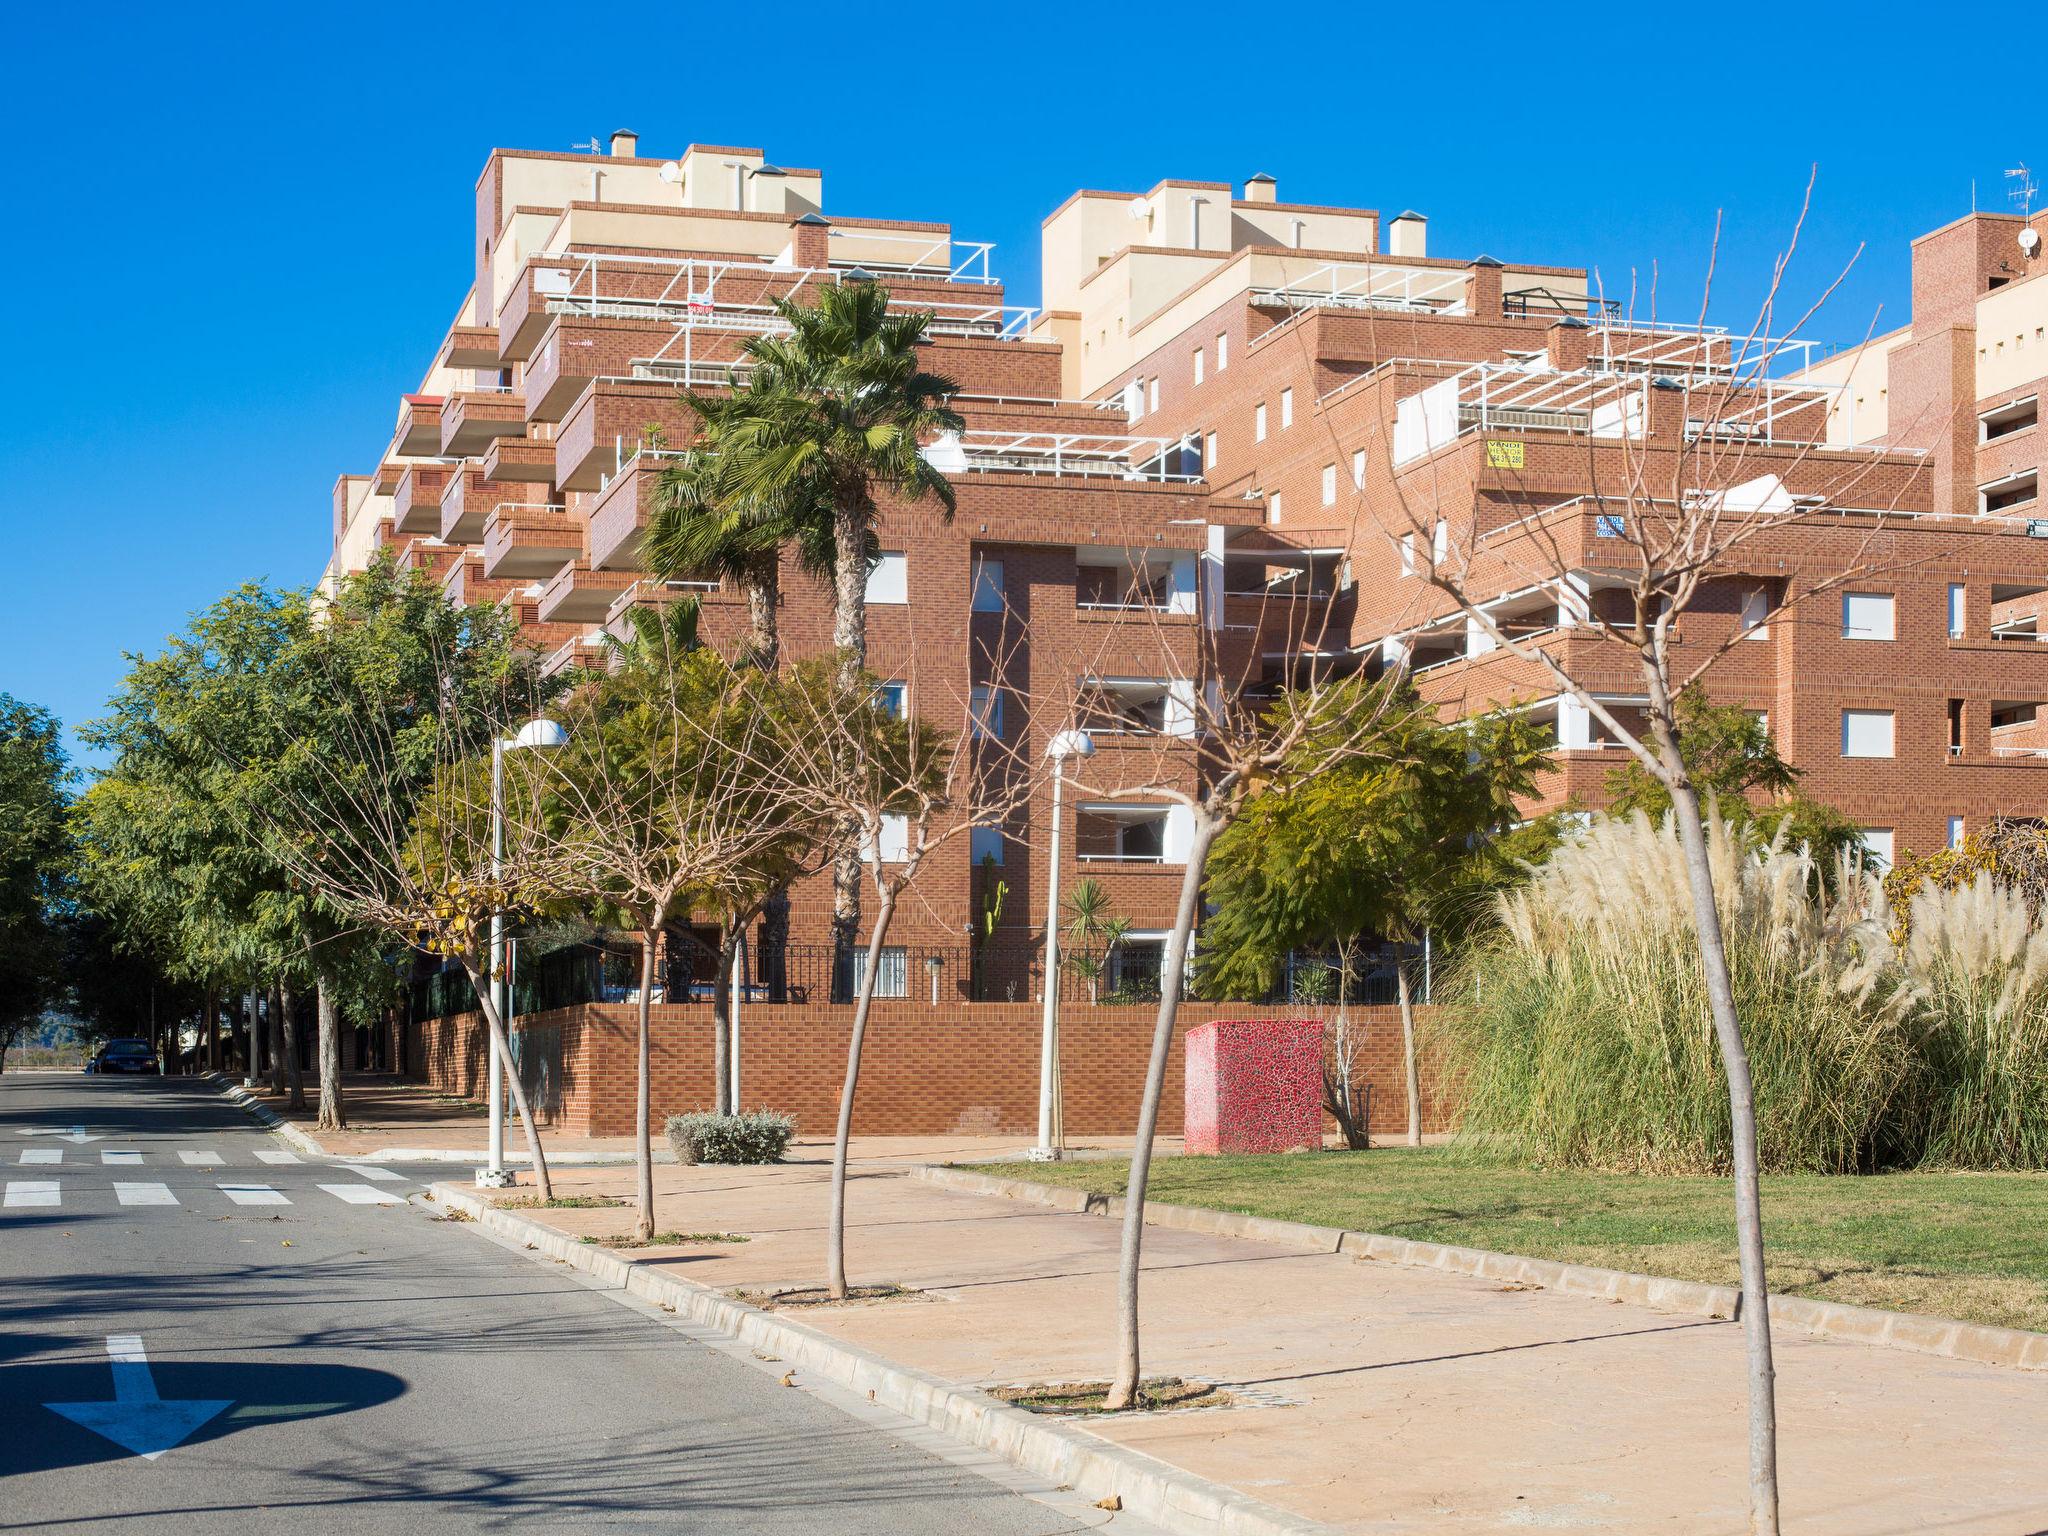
(652, 594)
(529, 543)
(419, 427)
(610, 422)
(582, 651)
(416, 502)
(469, 498)
(619, 515)
(578, 595)
(1159, 460)
(471, 419)
(469, 346)
(520, 460)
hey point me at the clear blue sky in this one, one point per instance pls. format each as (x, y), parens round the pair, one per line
(234, 232)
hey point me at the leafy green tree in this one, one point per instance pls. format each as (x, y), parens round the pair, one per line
(34, 851)
(1399, 837)
(1734, 764)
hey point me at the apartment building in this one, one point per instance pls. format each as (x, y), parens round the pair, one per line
(523, 466)
(1380, 408)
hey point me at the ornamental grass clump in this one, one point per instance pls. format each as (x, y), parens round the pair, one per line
(1585, 1040)
(757, 1136)
(1977, 959)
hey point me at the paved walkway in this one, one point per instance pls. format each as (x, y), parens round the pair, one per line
(1388, 1399)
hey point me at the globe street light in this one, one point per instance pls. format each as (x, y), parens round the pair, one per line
(1068, 743)
(535, 734)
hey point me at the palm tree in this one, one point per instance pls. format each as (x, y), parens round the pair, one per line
(832, 420)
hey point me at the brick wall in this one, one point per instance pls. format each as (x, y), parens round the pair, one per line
(971, 1070)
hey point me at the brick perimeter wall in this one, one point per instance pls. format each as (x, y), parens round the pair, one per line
(972, 1071)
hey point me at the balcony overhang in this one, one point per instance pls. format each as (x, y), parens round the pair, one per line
(470, 421)
(470, 346)
(419, 427)
(520, 460)
(416, 500)
(579, 595)
(529, 543)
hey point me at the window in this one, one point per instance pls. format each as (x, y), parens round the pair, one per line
(894, 843)
(986, 843)
(891, 697)
(1152, 393)
(1756, 606)
(892, 976)
(1273, 508)
(1955, 609)
(1868, 616)
(1329, 485)
(987, 712)
(988, 586)
(1407, 554)
(1222, 351)
(1440, 541)
(1358, 468)
(2016, 490)
(1867, 733)
(1955, 831)
(1286, 408)
(1209, 458)
(889, 580)
(1259, 422)
(1198, 365)
(1877, 846)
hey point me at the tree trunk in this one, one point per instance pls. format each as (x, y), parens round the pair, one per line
(210, 1011)
(764, 640)
(1408, 1052)
(333, 1117)
(1123, 1388)
(294, 1079)
(1749, 1223)
(643, 1091)
(721, 1021)
(850, 638)
(835, 1241)
(771, 964)
(544, 1186)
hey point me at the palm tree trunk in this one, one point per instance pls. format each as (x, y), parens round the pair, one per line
(543, 1184)
(1123, 1388)
(1408, 1052)
(332, 1116)
(1749, 1223)
(850, 637)
(643, 1118)
(835, 1242)
(764, 642)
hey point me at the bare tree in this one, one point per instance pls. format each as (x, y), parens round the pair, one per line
(1699, 457)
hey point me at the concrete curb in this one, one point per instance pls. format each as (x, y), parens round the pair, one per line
(1946, 1337)
(264, 1115)
(1169, 1497)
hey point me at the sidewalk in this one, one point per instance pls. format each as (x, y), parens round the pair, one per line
(1384, 1399)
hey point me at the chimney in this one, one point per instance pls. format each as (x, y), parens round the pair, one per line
(770, 189)
(810, 238)
(1408, 235)
(1261, 189)
(625, 144)
(1485, 288)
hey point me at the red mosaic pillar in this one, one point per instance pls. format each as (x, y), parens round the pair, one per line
(1254, 1085)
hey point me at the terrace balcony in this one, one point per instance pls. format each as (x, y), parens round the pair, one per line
(578, 595)
(469, 498)
(582, 651)
(646, 593)
(469, 346)
(619, 515)
(416, 500)
(525, 542)
(470, 420)
(419, 427)
(609, 423)
(520, 460)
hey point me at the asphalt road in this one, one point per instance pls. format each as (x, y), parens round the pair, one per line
(290, 1346)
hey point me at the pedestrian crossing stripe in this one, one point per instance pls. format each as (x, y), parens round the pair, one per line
(145, 1194)
(275, 1155)
(253, 1194)
(381, 1175)
(120, 1159)
(22, 1192)
(200, 1157)
(42, 1155)
(362, 1194)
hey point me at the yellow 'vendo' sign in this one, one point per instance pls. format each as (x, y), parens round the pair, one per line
(1504, 455)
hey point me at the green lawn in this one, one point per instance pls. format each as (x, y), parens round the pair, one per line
(1962, 1245)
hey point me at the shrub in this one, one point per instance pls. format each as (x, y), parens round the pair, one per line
(760, 1136)
(1584, 1038)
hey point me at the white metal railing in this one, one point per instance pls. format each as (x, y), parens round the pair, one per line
(1370, 285)
(1620, 345)
(936, 257)
(990, 451)
(2019, 751)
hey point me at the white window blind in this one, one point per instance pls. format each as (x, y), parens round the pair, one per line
(1867, 733)
(1868, 616)
(889, 581)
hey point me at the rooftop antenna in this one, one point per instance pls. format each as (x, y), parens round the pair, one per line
(592, 146)
(2020, 189)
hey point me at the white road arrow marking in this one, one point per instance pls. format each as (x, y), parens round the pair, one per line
(77, 1133)
(137, 1419)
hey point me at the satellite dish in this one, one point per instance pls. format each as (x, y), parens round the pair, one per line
(2030, 241)
(671, 172)
(1141, 207)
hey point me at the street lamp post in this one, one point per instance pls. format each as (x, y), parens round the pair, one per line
(1051, 1135)
(534, 734)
